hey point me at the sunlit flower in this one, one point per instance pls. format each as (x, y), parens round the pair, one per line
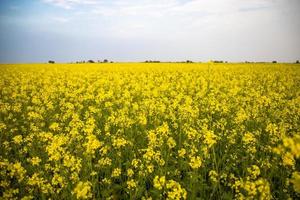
(83, 190)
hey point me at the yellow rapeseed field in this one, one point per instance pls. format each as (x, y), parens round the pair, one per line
(150, 131)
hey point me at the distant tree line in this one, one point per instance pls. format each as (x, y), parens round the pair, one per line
(274, 61)
(92, 61)
(157, 61)
(218, 61)
(83, 61)
(152, 61)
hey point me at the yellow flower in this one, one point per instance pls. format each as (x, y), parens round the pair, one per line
(40, 182)
(55, 148)
(131, 184)
(89, 129)
(135, 163)
(171, 143)
(116, 172)
(254, 171)
(293, 144)
(58, 180)
(28, 197)
(181, 152)
(163, 129)
(195, 162)
(213, 176)
(159, 182)
(248, 138)
(18, 139)
(17, 170)
(130, 172)
(150, 168)
(83, 190)
(35, 161)
(92, 144)
(296, 181)
(288, 159)
(241, 116)
(258, 189)
(104, 161)
(119, 142)
(10, 193)
(209, 138)
(106, 181)
(175, 191)
(142, 119)
(73, 163)
(54, 127)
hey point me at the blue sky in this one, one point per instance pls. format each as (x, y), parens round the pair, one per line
(138, 30)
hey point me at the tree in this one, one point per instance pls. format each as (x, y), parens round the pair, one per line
(105, 60)
(51, 61)
(297, 62)
(217, 61)
(91, 61)
(274, 61)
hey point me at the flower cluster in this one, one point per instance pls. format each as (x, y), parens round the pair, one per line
(150, 131)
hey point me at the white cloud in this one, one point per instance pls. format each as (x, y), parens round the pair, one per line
(177, 7)
(226, 28)
(159, 18)
(68, 4)
(136, 7)
(61, 19)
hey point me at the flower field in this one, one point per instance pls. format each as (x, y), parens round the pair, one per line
(150, 131)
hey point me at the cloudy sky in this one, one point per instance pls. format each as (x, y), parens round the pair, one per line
(137, 30)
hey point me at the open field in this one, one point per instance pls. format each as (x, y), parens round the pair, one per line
(142, 131)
